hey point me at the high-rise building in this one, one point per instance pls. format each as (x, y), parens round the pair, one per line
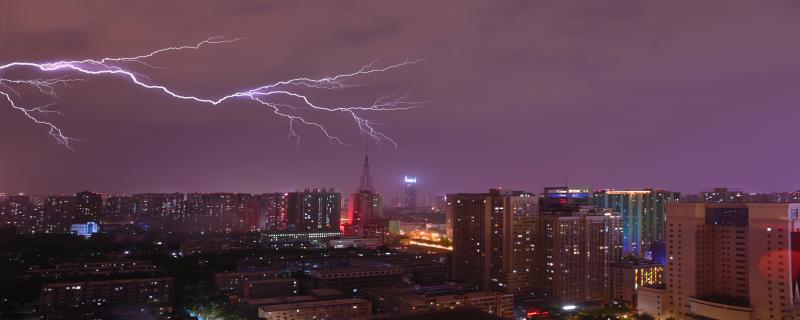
(243, 215)
(568, 198)
(642, 213)
(251, 216)
(206, 210)
(574, 251)
(365, 184)
(364, 212)
(17, 211)
(274, 208)
(314, 210)
(58, 214)
(364, 207)
(409, 192)
(88, 206)
(439, 204)
(730, 261)
(160, 206)
(493, 239)
(118, 208)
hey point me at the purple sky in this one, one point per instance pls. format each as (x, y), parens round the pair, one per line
(685, 95)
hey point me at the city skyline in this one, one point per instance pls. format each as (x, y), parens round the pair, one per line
(635, 109)
(355, 160)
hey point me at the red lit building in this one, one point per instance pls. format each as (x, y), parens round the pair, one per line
(364, 211)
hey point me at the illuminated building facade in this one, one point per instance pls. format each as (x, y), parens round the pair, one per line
(629, 275)
(560, 199)
(723, 195)
(409, 192)
(118, 208)
(205, 210)
(159, 208)
(274, 211)
(574, 253)
(314, 210)
(364, 209)
(355, 242)
(56, 298)
(643, 213)
(17, 211)
(88, 206)
(57, 214)
(299, 239)
(493, 239)
(85, 229)
(731, 261)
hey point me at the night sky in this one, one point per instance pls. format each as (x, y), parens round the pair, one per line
(684, 95)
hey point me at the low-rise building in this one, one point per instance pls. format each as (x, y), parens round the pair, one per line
(55, 297)
(629, 275)
(651, 300)
(355, 242)
(399, 301)
(259, 289)
(348, 279)
(233, 282)
(352, 309)
(93, 268)
(255, 304)
(299, 239)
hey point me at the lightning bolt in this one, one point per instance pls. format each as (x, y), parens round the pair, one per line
(263, 95)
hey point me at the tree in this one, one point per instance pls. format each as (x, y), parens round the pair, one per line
(645, 316)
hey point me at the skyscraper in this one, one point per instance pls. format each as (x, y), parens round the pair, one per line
(643, 213)
(365, 183)
(574, 251)
(364, 207)
(314, 210)
(493, 239)
(730, 261)
(409, 192)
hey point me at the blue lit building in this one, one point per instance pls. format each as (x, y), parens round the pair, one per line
(643, 215)
(85, 229)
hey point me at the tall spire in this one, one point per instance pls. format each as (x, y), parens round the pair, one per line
(366, 178)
